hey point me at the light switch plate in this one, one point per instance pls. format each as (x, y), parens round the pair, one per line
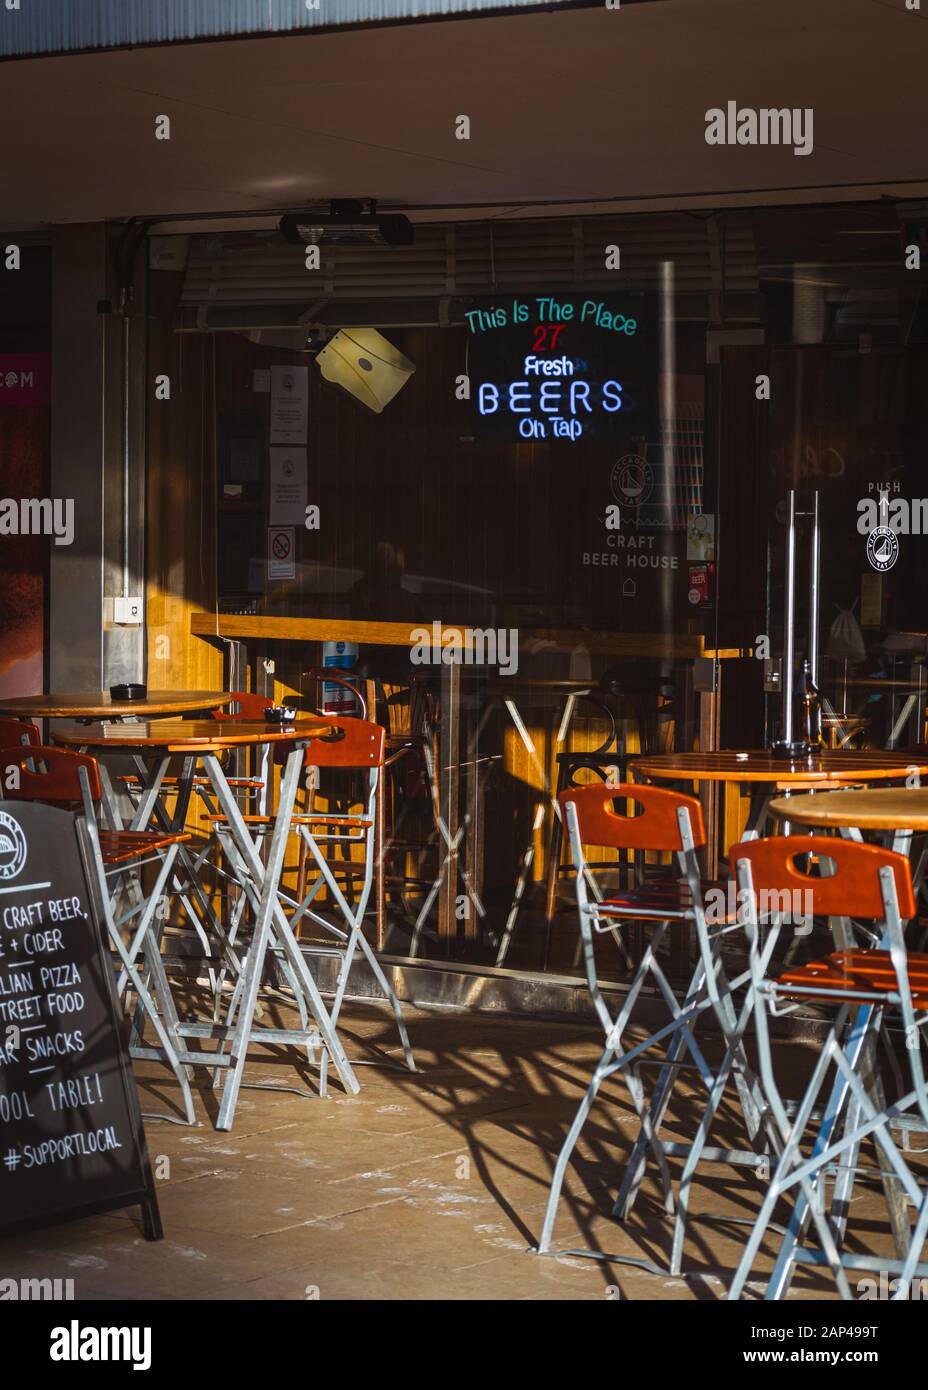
(773, 674)
(127, 611)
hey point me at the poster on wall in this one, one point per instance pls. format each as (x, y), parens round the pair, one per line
(289, 405)
(24, 450)
(562, 368)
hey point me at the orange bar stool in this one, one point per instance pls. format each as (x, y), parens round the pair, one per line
(626, 698)
(72, 781)
(358, 747)
(866, 989)
(670, 823)
(246, 707)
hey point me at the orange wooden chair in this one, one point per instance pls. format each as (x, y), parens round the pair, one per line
(17, 731)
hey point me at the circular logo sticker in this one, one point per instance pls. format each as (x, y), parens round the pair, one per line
(12, 847)
(882, 548)
(631, 480)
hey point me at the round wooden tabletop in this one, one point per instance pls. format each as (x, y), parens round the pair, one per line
(99, 704)
(187, 735)
(881, 808)
(757, 765)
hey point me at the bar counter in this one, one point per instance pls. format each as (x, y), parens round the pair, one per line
(246, 638)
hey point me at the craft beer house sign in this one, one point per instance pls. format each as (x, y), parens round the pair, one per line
(71, 1137)
(563, 368)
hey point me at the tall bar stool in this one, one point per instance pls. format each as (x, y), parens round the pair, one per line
(669, 823)
(864, 987)
(245, 707)
(356, 746)
(625, 697)
(409, 765)
(361, 693)
(359, 746)
(410, 786)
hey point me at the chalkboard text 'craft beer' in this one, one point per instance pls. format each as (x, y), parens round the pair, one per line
(71, 1136)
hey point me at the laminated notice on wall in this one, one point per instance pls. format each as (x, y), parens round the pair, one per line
(288, 487)
(289, 405)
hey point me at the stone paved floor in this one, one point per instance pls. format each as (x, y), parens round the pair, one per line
(427, 1186)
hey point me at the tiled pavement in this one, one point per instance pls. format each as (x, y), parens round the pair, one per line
(425, 1186)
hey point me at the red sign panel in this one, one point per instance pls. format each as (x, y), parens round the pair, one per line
(24, 378)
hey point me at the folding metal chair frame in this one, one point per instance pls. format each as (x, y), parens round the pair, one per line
(845, 1047)
(708, 988)
(353, 916)
(153, 966)
(271, 931)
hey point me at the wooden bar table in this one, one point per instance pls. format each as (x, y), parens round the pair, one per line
(203, 740)
(259, 631)
(903, 811)
(765, 774)
(190, 735)
(99, 704)
(161, 739)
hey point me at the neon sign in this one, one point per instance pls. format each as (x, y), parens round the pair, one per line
(551, 409)
(569, 368)
(546, 310)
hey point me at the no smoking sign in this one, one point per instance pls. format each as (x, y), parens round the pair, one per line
(280, 557)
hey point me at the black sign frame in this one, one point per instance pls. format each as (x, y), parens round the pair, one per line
(140, 1189)
(508, 329)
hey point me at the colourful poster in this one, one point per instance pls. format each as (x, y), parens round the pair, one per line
(24, 454)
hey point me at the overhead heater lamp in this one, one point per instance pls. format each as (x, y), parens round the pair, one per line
(348, 224)
(363, 363)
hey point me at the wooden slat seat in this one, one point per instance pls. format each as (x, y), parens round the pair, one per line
(121, 846)
(663, 897)
(299, 818)
(169, 783)
(856, 972)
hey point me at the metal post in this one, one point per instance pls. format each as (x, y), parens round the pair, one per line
(789, 618)
(814, 576)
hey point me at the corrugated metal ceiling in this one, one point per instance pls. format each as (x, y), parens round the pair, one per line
(72, 26)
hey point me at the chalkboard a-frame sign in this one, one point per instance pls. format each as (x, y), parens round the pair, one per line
(71, 1136)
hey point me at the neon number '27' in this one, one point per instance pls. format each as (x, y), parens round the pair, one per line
(546, 336)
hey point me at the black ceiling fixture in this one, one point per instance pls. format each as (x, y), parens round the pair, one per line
(348, 222)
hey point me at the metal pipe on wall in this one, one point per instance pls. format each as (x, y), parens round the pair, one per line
(814, 578)
(789, 617)
(126, 364)
(124, 638)
(668, 411)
